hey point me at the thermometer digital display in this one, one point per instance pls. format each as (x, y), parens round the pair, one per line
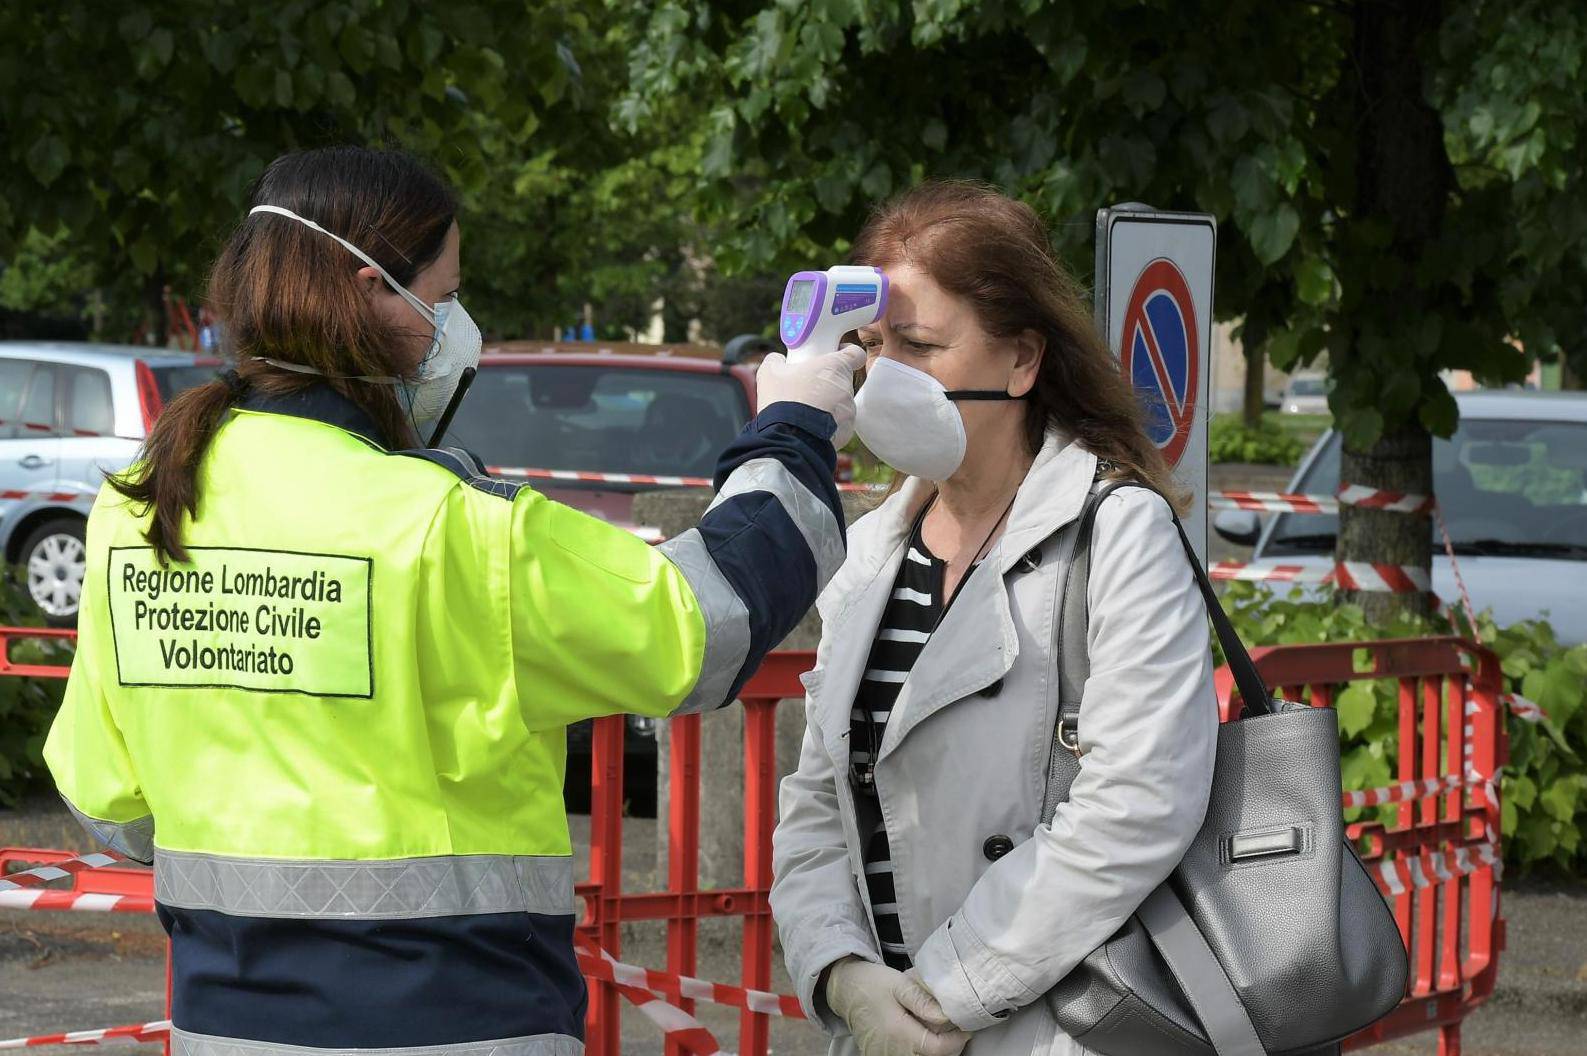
(819, 307)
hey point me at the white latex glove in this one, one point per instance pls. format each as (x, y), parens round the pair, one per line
(870, 999)
(825, 383)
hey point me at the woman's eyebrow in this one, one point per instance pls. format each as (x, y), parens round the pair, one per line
(913, 326)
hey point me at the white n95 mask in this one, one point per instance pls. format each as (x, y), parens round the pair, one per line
(454, 348)
(908, 420)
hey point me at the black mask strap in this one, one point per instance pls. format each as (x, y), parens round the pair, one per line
(979, 394)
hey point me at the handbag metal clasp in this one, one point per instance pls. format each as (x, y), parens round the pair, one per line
(1069, 735)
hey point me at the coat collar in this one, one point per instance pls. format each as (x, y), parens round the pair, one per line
(1049, 497)
(979, 626)
(320, 403)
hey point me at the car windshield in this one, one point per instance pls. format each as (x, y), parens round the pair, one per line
(601, 419)
(172, 380)
(1514, 488)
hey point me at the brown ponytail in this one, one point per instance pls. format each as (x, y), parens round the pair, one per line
(995, 253)
(285, 292)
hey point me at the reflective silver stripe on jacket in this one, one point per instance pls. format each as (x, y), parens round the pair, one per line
(135, 839)
(184, 1043)
(726, 622)
(368, 890)
(809, 514)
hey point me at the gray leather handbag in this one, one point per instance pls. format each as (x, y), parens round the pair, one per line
(1270, 937)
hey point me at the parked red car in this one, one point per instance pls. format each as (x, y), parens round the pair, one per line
(604, 409)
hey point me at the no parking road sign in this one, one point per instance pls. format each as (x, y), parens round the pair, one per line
(1154, 305)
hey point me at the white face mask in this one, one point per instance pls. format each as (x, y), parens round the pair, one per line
(908, 420)
(455, 347)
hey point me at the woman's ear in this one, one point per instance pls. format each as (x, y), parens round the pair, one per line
(1029, 348)
(369, 280)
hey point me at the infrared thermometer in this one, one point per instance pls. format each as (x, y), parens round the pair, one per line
(819, 307)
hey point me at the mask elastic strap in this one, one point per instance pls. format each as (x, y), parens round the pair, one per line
(397, 287)
(980, 394)
(299, 368)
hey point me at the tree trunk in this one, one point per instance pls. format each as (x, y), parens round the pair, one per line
(154, 305)
(1402, 461)
(1403, 179)
(1255, 371)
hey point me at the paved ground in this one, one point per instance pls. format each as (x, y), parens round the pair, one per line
(62, 971)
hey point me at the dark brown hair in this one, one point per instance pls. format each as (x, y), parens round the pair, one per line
(284, 291)
(995, 253)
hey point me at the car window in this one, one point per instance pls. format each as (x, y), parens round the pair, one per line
(172, 380)
(38, 404)
(14, 375)
(1307, 387)
(90, 412)
(601, 419)
(1505, 487)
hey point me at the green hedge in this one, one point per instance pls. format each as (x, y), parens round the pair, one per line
(27, 705)
(1544, 786)
(1229, 439)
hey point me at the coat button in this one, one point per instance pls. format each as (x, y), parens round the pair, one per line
(1031, 561)
(996, 847)
(993, 690)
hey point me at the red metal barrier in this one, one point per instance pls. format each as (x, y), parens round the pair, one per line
(683, 904)
(1450, 723)
(11, 635)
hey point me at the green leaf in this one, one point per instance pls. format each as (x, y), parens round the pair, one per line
(145, 254)
(1361, 427)
(878, 181)
(935, 134)
(47, 158)
(339, 89)
(1314, 280)
(1439, 413)
(1355, 705)
(1272, 233)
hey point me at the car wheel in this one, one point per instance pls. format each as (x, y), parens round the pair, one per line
(54, 561)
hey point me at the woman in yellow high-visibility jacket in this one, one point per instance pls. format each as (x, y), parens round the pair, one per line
(324, 674)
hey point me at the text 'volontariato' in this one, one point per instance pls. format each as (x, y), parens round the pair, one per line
(271, 620)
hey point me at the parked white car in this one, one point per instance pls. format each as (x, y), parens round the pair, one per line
(69, 414)
(1512, 483)
(1306, 393)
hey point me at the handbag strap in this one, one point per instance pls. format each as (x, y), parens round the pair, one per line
(1074, 620)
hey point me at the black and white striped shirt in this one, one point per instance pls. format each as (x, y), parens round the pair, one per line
(907, 622)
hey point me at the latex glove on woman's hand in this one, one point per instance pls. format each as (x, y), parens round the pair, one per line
(825, 382)
(871, 999)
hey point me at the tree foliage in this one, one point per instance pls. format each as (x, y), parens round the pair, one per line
(1398, 183)
(137, 149)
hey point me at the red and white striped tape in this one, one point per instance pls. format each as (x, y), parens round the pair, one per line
(643, 479)
(1408, 790)
(1522, 708)
(137, 1032)
(17, 495)
(598, 964)
(1383, 499)
(1271, 502)
(75, 901)
(1347, 575)
(1399, 875)
(59, 870)
(634, 984)
(1294, 502)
